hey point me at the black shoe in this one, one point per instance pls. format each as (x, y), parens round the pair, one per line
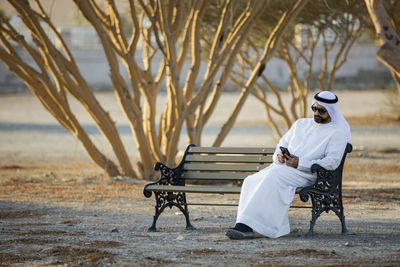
(236, 234)
(243, 227)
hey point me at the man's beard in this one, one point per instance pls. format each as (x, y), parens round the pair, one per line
(319, 119)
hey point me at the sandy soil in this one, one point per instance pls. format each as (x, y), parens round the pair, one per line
(57, 208)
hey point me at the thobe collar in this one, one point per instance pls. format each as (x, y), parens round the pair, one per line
(322, 124)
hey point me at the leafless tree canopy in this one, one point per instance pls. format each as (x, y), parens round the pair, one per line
(216, 34)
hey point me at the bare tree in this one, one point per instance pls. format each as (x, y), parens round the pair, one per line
(389, 40)
(171, 29)
(53, 64)
(330, 29)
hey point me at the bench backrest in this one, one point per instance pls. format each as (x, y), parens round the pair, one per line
(336, 179)
(224, 163)
(235, 163)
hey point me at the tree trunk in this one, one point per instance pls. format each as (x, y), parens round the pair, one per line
(66, 75)
(396, 79)
(389, 51)
(56, 105)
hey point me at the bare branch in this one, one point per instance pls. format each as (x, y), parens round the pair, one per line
(270, 46)
(116, 26)
(105, 20)
(135, 29)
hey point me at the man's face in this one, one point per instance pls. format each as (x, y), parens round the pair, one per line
(321, 114)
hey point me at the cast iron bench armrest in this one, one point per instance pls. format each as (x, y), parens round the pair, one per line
(323, 185)
(169, 176)
(318, 168)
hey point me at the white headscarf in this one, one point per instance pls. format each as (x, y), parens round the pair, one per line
(329, 101)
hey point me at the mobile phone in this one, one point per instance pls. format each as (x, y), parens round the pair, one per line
(285, 151)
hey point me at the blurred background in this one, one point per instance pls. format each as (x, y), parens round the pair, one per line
(329, 45)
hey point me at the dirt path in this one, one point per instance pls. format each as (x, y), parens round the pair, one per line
(59, 217)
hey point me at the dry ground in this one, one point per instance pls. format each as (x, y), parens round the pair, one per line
(57, 208)
(78, 217)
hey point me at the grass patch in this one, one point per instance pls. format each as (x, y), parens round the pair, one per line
(30, 241)
(67, 255)
(378, 194)
(72, 190)
(6, 259)
(18, 214)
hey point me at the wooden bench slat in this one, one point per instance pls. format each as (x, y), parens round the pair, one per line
(199, 189)
(219, 158)
(224, 167)
(215, 175)
(232, 150)
(195, 189)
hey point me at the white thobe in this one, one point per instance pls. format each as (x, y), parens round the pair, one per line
(266, 195)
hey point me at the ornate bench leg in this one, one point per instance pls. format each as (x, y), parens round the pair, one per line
(314, 218)
(344, 228)
(310, 232)
(316, 211)
(326, 203)
(182, 206)
(158, 211)
(169, 199)
(337, 207)
(341, 216)
(185, 211)
(153, 226)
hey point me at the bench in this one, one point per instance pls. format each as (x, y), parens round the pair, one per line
(221, 170)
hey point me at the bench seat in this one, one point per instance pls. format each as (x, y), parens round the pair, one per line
(199, 189)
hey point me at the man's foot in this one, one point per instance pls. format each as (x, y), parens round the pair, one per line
(233, 233)
(240, 231)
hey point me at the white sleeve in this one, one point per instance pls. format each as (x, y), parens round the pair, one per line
(284, 141)
(333, 154)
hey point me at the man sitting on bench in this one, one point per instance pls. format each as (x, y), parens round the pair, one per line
(266, 196)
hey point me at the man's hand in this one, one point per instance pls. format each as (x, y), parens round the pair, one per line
(293, 161)
(281, 158)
